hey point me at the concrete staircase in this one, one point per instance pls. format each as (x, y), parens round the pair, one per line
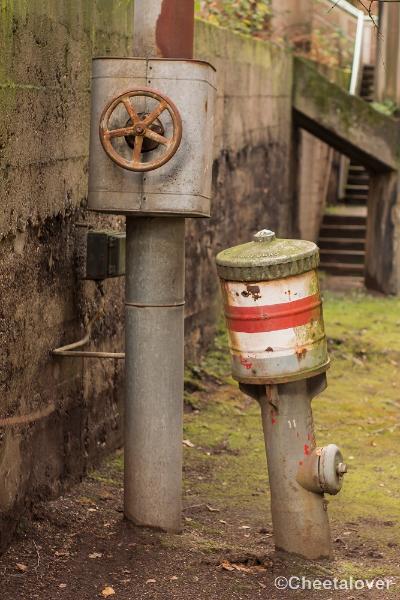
(342, 242)
(343, 232)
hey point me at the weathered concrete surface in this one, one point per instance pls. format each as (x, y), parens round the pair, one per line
(315, 171)
(314, 176)
(347, 123)
(45, 53)
(383, 233)
(251, 163)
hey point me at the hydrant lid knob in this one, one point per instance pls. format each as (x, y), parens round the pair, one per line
(265, 235)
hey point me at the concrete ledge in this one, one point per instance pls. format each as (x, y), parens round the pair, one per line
(347, 123)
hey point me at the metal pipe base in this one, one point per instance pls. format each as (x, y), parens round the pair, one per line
(299, 516)
(154, 371)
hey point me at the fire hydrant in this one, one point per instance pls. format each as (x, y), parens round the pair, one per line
(279, 356)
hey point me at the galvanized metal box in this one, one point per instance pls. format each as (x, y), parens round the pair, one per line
(182, 186)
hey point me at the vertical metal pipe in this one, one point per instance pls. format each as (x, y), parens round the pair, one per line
(154, 329)
(299, 517)
(154, 371)
(164, 28)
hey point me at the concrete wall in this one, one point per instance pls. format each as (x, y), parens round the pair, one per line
(387, 76)
(71, 408)
(251, 163)
(292, 19)
(314, 176)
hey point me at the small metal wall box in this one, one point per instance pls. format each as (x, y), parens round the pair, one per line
(151, 141)
(105, 254)
(273, 309)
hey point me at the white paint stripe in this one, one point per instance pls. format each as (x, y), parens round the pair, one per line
(278, 291)
(259, 342)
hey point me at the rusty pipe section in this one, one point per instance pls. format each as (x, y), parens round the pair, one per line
(299, 516)
(154, 314)
(164, 28)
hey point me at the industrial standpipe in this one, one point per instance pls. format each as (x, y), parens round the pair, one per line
(279, 355)
(152, 128)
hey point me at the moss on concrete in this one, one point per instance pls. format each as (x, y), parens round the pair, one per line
(345, 117)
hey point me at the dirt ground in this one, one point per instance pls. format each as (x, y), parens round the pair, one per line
(79, 546)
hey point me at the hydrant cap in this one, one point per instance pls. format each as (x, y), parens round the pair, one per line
(266, 258)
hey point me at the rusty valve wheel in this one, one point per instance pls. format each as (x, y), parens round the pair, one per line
(138, 128)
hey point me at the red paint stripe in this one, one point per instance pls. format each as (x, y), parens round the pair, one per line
(273, 317)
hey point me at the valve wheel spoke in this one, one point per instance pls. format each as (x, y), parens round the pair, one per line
(155, 114)
(156, 137)
(137, 149)
(121, 132)
(130, 109)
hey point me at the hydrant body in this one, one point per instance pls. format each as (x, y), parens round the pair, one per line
(279, 356)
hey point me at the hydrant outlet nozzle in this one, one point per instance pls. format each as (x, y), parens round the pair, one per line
(341, 469)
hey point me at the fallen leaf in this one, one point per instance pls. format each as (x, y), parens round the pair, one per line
(223, 522)
(245, 527)
(188, 443)
(108, 591)
(173, 578)
(211, 509)
(85, 500)
(95, 555)
(21, 567)
(253, 569)
(61, 553)
(227, 565)
(151, 581)
(62, 586)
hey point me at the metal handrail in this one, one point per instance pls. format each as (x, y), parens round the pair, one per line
(357, 55)
(347, 7)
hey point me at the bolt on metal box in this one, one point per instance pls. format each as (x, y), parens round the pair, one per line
(105, 254)
(122, 180)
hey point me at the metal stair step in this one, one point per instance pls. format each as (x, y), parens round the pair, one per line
(342, 269)
(358, 180)
(343, 231)
(335, 243)
(340, 219)
(354, 257)
(357, 187)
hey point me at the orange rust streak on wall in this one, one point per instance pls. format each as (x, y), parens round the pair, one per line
(175, 29)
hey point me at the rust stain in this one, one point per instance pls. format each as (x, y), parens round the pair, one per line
(175, 29)
(252, 290)
(301, 352)
(246, 363)
(307, 450)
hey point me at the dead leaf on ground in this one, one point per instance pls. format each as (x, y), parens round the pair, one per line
(227, 565)
(211, 509)
(188, 443)
(95, 555)
(108, 591)
(151, 581)
(21, 567)
(252, 569)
